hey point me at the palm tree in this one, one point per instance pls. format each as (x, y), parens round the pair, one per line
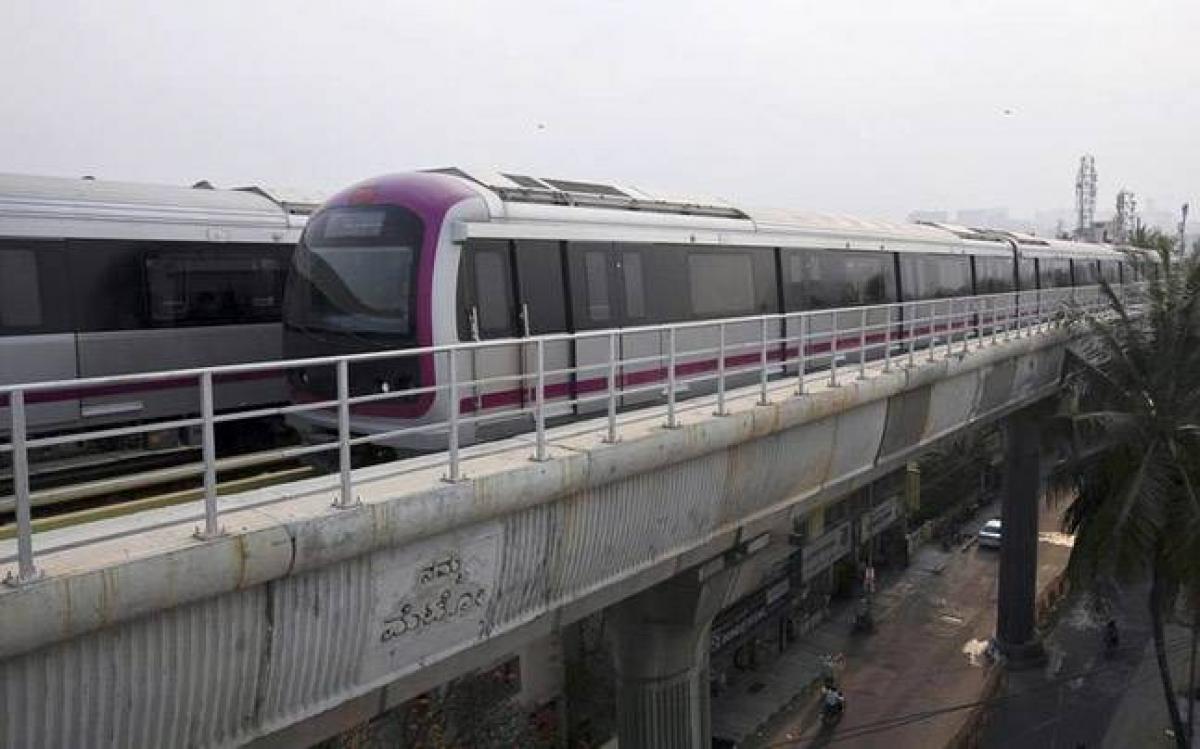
(1133, 408)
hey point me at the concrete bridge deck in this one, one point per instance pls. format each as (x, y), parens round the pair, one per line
(139, 634)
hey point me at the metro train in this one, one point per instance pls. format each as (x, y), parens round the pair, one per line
(431, 258)
(104, 278)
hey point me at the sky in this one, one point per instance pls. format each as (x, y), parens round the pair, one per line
(865, 107)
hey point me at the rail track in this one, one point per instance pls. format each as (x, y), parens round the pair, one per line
(91, 499)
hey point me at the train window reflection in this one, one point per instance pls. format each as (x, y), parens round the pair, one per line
(993, 274)
(595, 266)
(635, 297)
(20, 298)
(187, 288)
(493, 292)
(821, 279)
(343, 288)
(934, 277)
(721, 284)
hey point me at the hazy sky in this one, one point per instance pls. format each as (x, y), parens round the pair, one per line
(874, 108)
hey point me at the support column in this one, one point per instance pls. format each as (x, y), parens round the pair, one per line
(660, 641)
(1015, 617)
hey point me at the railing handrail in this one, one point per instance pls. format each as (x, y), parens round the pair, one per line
(954, 319)
(285, 364)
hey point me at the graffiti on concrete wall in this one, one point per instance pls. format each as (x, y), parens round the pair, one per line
(431, 597)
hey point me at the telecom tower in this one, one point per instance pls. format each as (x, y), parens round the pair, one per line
(1125, 222)
(1085, 197)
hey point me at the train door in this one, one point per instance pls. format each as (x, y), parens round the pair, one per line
(1027, 289)
(734, 282)
(643, 353)
(541, 310)
(487, 302)
(37, 342)
(608, 292)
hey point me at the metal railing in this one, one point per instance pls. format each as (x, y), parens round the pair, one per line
(795, 345)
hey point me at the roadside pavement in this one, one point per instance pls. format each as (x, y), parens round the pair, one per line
(1071, 701)
(933, 621)
(1140, 716)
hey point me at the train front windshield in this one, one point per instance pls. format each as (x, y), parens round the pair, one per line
(354, 272)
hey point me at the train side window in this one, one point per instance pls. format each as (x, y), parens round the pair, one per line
(1084, 272)
(1055, 272)
(823, 279)
(599, 304)
(934, 276)
(20, 291)
(540, 281)
(493, 292)
(634, 285)
(212, 286)
(993, 274)
(1027, 270)
(721, 284)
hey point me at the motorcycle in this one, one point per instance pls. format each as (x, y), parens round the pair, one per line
(833, 705)
(864, 621)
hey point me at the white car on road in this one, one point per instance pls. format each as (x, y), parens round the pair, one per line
(989, 534)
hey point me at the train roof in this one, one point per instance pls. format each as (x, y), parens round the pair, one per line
(32, 205)
(541, 207)
(537, 207)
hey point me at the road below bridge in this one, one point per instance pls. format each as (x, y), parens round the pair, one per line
(925, 657)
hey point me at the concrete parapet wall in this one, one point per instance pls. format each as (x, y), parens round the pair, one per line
(153, 638)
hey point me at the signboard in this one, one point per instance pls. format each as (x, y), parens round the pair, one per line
(430, 598)
(879, 517)
(824, 550)
(734, 623)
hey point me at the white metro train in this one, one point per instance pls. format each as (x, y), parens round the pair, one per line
(430, 258)
(104, 278)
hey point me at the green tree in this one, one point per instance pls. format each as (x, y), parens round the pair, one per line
(1152, 239)
(1133, 406)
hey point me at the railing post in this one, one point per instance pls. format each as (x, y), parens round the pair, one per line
(721, 371)
(611, 437)
(803, 361)
(949, 325)
(1008, 319)
(993, 334)
(862, 345)
(453, 470)
(344, 462)
(833, 344)
(762, 363)
(209, 456)
(671, 422)
(967, 314)
(887, 341)
(933, 317)
(539, 450)
(912, 337)
(26, 571)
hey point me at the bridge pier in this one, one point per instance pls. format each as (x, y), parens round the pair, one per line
(660, 640)
(1016, 599)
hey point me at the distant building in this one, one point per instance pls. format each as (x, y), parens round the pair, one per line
(992, 218)
(937, 217)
